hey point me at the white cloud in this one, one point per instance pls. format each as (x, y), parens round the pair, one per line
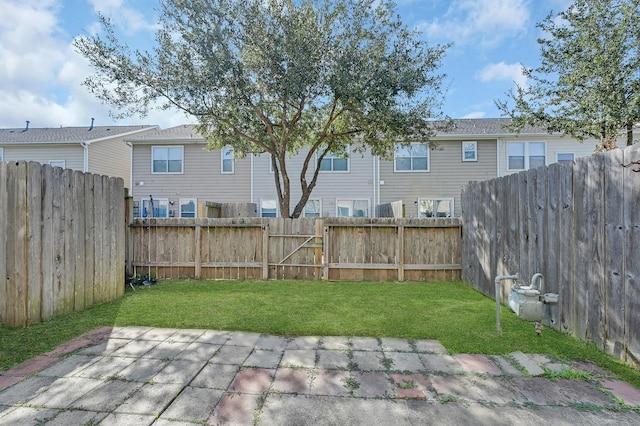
(475, 114)
(503, 72)
(41, 74)
(487, 22)
(130, 21)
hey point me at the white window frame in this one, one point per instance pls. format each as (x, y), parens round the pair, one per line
(167, 147)
(330, 157)
(268, 200)
(436, 201)
(558, 154)
(304, 210)
(411, 157)
(58, 163)
(186, 201)
(157, 202)
(527, 153)
(352, 207)
(227, 155)
(466, 144)
(1, 154)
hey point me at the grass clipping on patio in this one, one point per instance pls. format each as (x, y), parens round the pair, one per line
(453, 313)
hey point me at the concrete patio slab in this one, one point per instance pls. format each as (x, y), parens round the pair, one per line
(222, 377)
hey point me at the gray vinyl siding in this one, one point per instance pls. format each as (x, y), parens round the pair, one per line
(356, 184)
(201, 177)
(447, 176)
(112, 158)
(73, 155)
(554, 145)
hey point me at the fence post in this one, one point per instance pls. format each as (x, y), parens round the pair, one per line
(198, 254)
(317, 252)
(265, 251)
(128, 217)
(325, 250)
(400, 251)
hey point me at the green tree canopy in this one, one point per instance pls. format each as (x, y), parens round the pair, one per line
(588, 85)
(277, 76)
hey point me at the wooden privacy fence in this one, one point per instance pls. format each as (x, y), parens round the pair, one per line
(62, 235)
(579, 225)
(327, 248)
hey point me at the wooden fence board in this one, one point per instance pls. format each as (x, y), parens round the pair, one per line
(89, 240)
(58, 240)
(100, 292)
(80, 226)
(567, 245)
(552, 257)
(532, 225)
(632, 265)
(582, 225)
(69, 256)
(121, 246)
(614, 231)
(597, 298)
(4, 222)
(542, 220)
(17, 250)
(34, 242)
(522, 239)
(48, 269)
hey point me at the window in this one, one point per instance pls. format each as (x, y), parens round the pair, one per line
(565, 158)
(1, 154)
(335, 162)
(435, 207)
(227, 160)
(526, 155)
(537, 156)
(155, 207)
(411, 158)
(268, 208)
(469, 151)
(313, 208)
(188, 207)
(57, 163)
(352, 208)
(167, 159)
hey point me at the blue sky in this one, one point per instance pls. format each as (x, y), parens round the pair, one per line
(41, 74)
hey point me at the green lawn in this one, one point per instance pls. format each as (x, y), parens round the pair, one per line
(451, 312)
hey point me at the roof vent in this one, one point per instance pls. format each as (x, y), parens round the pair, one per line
(27, 126)
(91, 127)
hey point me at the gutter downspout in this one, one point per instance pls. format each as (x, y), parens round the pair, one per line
(498, 140)
(251, 183)
(130, 169)
(85, 160)
(374, 178)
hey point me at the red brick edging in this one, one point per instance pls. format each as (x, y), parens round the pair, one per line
(40, 362)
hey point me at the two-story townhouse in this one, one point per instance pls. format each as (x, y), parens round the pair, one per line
(472, 150)
(172, 168)
(94, 149)
(173, 172)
